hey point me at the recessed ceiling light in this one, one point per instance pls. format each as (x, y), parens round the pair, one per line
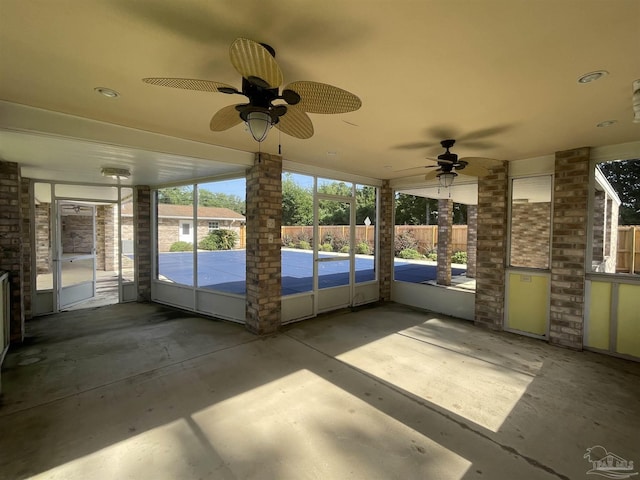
(592, 76)
(607, 123)
(107, 92)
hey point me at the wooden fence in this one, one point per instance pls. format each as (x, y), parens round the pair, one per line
(628, 260)
(425, 235)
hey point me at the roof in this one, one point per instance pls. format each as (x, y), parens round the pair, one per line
(166, 210)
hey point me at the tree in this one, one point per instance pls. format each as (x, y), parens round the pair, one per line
(184, 196)
(624, 177)
(365, 204)
(414, 210)
(207, 198)
(176, 195)
(297, 203)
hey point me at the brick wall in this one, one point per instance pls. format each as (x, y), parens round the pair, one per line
(264, 265)
(385, 240)
(169, 231)
(530, 234)
(106, 238)
(43, 238)
(11, 243)
(491, 249)
(599, 216)
(569, 245)
(472, 239)
(445, 247)
(77, 233)
(143, 238)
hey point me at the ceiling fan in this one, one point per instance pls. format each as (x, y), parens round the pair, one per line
(449, 164)
(267, 106)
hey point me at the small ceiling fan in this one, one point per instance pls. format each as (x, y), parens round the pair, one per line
(267, 106)
(449, 164)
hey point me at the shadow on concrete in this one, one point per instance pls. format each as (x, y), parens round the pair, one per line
(385, 392)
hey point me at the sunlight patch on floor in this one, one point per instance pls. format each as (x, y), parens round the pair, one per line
(472, 388)
(271, 432)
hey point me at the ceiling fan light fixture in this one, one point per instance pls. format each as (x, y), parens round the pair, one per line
(116, 173)
(259, 124)
(446, 178)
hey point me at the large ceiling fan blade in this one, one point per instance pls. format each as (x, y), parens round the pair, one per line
(318, 97)
(251, 59)
(295, 123)
(189, 84)
(225, 118)
(473, 170)
(482, 162)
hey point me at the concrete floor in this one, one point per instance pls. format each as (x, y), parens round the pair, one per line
(139, 391)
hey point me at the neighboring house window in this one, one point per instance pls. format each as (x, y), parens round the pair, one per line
(214, 226)
(185, 229)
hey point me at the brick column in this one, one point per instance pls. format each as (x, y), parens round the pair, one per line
(25, 203)
(264, 263)
(445, 248)
(568, 247)
(472, 239)
(11, 243)
(491, 247)
(143, 238)
(386, 231)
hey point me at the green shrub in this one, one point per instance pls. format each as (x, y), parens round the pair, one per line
(219, 240)
(363, 248)
(403, 241)
(339, 242)
(433, 256)
(459, 257)
(410, 254)
(326, 247)
(181, 247)
(304, 245)
(345, 249)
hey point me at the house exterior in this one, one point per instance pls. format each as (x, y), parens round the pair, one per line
(175, 223)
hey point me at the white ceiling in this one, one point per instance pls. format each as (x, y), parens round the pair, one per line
(498, 75)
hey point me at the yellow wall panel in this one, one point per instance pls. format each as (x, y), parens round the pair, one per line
(528, 303)
(598, 329)
(629, 320)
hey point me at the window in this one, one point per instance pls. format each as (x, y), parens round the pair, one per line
(214, 226)
(186, 229)
(530, 222)
(615, 217)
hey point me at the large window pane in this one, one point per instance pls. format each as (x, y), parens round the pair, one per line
(297, 233)
(220, 231)
(530, 222)
(616, 218)
(127, 250)
(366, 233)
(42, 208)
(333, 245)
(175, 234)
